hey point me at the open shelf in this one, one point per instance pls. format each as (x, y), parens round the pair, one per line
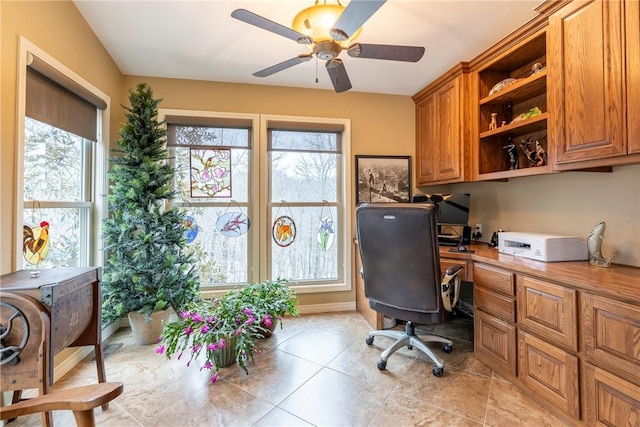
(534, 124)
(528, 92)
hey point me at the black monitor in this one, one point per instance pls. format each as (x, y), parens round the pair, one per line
(453, 208)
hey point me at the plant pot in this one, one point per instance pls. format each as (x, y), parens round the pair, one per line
(226, 356)
(268, 329)
(145, 333)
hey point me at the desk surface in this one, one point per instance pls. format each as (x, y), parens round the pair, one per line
(620, 282)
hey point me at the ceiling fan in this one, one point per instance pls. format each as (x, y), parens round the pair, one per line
(329, 29)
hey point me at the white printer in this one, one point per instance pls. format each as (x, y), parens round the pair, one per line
(543, 247)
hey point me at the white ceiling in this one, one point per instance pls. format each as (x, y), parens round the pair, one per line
(200, 40)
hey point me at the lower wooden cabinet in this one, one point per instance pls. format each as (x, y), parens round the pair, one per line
(495, 342)
(550, 372)
(610, 400)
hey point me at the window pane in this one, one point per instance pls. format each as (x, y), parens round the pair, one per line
(201, 135)
(304, 177)
(220, 259)
(66, 226)
(304, 259)
(304, 141)
(53, 161)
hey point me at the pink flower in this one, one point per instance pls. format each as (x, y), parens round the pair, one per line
(205, 329)
(267, 321)
(185, 314)
(208, 365)
(238, 331)
(188, 330)
(250, 320)
(160, 350)
(196, 317)
(247, 311)
(214, 378)
(213, 347)
(222, 343)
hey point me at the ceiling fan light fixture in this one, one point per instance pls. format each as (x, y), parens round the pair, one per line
(317, 21)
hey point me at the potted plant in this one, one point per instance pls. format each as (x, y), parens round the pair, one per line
(222, 330)
(271, 301)
(147, 269)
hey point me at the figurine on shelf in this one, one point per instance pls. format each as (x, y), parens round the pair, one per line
(512, 151)
(536, 68)
(493, 124)
(504, 122)
(528, 151)
(541, 155)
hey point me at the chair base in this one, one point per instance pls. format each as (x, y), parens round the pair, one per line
(409, 338)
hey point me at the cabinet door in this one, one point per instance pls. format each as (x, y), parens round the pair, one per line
(548, 310)
(585, 81)
(611, 334)
(448, 108)
(426, 140)
(611, 401)
(495, 342)
(632, 11)
(550, 372)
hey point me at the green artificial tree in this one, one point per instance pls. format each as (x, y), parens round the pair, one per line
(147, 268)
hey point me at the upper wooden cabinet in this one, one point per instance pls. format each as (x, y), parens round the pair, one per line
(588, 86)
(442, 129)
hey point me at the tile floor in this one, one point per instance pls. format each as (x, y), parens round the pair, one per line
(316, 371)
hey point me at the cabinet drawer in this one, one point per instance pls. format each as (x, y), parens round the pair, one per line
(549, 310)
(611, 401)
(494, 278)
(611, 335)
(550, 372)
(495, 342)
(498, 305)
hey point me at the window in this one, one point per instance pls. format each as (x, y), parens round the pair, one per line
(60, 131)
(279, 167)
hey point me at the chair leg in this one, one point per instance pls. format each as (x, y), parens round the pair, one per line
(409, 338)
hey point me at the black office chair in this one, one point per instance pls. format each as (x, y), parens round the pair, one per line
(398, 244)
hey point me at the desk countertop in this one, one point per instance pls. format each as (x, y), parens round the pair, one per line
(620, 282)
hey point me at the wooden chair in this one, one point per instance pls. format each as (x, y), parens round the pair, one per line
(81, 400)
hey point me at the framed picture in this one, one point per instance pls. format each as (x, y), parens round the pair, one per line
(383, 179)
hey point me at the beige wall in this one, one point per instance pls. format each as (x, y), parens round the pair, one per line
(58, 29)
(380, 124)
(569, 203)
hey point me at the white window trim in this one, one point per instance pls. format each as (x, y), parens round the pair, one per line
(100, 152)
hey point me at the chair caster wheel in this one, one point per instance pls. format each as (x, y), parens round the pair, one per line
(382, 365)
(369, 340)
(437, 371)
(447, 348)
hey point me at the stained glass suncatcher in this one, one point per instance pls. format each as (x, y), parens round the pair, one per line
(210, 173)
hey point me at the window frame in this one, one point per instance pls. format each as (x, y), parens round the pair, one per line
(96, 177)
(259, 207)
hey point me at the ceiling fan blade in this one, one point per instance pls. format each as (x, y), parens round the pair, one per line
(266, 24)
(338, 75)
(385, 51)
(283, 65)
(355, 14)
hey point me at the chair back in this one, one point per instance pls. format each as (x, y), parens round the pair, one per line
(398, 245)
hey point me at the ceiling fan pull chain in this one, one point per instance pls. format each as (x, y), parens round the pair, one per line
(316, 70)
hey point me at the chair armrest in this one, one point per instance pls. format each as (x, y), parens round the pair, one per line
(450, 286)
(77, 399)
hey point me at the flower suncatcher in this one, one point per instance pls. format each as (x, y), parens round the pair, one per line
(210, 173)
